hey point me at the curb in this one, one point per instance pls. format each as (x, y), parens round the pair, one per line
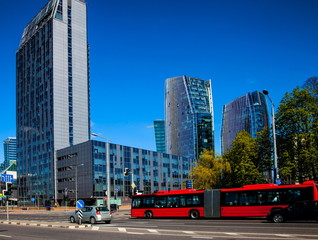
(53, 225)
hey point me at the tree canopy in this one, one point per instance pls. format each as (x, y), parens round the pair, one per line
(242, 156)
(297, 135)
(209, 171)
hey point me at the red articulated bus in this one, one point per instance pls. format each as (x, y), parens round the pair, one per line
(248, 201)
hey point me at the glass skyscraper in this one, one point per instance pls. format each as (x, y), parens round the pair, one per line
(160, 134)
(248, 112)
(10, 152)
(189, 116)
(52, 93)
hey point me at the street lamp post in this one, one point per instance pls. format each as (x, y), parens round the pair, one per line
(107, 169)
(276, 174)
(76, 181)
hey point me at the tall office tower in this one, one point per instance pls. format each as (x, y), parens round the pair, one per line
(10, 151)
(52, 86)
(189, 116)
(248, 112)
(160, 135)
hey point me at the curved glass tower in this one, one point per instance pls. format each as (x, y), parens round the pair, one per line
(189, 116)
(52, 93)
(248, 112)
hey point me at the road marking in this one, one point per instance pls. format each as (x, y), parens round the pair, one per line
(152, 230)
(283, 235)
(188, 232)
(204, 237)
(95, 228)
(234, 234)
(7, 236)
(122, 230)
(136, 233)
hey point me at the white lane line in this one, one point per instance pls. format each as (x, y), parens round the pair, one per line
(7, 236)
(136, 233)
(233, 234)
(283, 235)
(203, 237)
(188, 232)
(122, 230)
(152, 230)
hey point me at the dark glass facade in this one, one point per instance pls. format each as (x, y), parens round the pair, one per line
(52, 110)
(189, 116)
(248, 112)
(160, 135)
(152, 171)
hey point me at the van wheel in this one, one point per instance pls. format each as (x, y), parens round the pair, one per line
(194, 214)
(148, 214)
(278, 218)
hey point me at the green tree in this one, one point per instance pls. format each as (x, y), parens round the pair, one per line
(312, 84)
(242, 156)
(297, 135)
(209, 171)
(264, 161)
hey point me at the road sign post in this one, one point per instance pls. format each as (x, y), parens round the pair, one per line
(80, 216)
(80, 204)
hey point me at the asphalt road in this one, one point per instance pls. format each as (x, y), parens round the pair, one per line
(124, 227)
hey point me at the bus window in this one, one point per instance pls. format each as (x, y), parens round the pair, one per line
(275, 196)
(183, 201)
(262, 197)
(173, 201)
(136, 203)
(248, 198)
(160, 202)
(148, 202)
(194, 201)
(230, 199)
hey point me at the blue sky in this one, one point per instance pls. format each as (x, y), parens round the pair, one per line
(242, 45)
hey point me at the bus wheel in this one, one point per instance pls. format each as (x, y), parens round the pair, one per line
(194, 214)
(277, 218)
(148, 214)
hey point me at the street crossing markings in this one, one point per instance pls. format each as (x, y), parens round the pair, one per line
(283, 235)
(203, 237)
(6, 236)
(122, 230)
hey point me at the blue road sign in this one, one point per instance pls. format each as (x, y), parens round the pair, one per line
(278, 181)
(6, 178)
(80, 204)
(189, 184)
(33, 199)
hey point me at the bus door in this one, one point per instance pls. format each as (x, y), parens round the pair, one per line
(212, 203)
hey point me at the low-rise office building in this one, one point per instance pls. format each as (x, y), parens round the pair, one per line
(81, 172)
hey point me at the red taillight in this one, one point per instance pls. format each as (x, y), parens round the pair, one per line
(97, 212)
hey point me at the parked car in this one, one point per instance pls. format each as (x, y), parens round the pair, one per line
(304, 210)
(92, 214)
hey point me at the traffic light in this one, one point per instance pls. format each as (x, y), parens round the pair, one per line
(8, 190)
(126, 172)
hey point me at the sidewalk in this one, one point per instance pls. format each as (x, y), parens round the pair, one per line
(124, 211)
(45, 224)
